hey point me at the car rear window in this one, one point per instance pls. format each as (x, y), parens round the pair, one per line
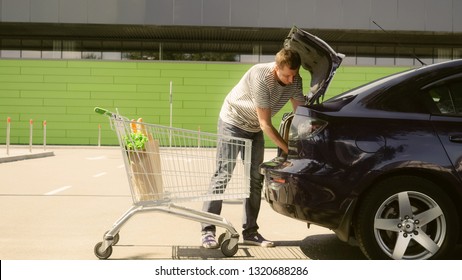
(405, 100)
(371, 86)
(446, 99)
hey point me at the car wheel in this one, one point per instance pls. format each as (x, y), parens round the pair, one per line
(406, 217)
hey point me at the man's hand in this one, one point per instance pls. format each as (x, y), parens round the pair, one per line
(264, 117)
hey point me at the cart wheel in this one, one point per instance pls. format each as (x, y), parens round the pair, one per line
(115, 239)
(102, 255)
(221, 238)
(226, 251)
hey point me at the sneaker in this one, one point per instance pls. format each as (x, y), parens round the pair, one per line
(209, 241)
(258, 240)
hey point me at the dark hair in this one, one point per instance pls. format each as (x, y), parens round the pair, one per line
(288, 57)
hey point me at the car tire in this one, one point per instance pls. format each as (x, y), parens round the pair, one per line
(406, 217)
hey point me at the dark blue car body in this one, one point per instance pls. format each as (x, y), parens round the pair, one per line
(360, 160)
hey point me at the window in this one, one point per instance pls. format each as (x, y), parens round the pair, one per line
(31, 54)
(446, 99)
(112, 55)
(401, 100)
(10, 53)
(91, 55)
(232, 51)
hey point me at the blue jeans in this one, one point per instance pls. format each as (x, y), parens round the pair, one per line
(224, 170)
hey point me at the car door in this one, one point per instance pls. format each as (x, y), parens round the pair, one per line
(447, 118)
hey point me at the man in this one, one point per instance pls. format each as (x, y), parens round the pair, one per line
(246, 112)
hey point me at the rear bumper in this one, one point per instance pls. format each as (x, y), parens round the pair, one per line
(292, 191)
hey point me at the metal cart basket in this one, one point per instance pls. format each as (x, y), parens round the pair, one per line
(166, 165)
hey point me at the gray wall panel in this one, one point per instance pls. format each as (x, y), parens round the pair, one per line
(411, 14)
(187, 12)
(401, 15)
(216, 12)
(385, 13)
(354, 19)
(131, 12)
(456, 15)
(44, 11)
(438, 15)
(159, 12)
(300, 13)
(102, 11)
(244, 13)
(329, 14)
(271, 13)
(72, 11)
(16, 10)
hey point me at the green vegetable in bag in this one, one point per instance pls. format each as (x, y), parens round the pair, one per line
(135, 141)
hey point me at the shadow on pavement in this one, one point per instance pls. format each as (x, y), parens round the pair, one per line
(329, 247)
(315, 247)
(325, 247)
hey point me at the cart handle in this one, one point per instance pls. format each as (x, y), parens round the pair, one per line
(102, 111)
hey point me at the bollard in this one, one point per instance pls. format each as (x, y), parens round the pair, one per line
(99, 135)
(44, 135)
(199, 137)
(30, 135)
(171, 112)
(8, 127)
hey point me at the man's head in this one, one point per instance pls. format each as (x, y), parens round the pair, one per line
(287, 57)
(287, 65)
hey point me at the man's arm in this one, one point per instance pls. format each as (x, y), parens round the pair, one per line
(264, 117)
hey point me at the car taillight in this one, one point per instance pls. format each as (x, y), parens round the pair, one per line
(306, 128)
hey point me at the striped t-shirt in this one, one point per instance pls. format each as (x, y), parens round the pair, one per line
(258, 88)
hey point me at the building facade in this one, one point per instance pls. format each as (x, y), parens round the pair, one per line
(369, 32)
(61, 58)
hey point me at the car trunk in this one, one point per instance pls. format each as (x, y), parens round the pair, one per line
(318, 58)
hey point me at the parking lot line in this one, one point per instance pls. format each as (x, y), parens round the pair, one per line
(58, 190)
(99, 174)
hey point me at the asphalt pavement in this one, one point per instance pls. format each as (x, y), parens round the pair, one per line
(57, 203)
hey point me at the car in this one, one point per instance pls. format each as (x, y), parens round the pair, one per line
(381, 164)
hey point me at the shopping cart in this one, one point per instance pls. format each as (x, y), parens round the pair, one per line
(166, 165)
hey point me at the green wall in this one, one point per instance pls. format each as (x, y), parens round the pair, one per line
(64, 93)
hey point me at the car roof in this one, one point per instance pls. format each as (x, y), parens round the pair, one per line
(417, 77)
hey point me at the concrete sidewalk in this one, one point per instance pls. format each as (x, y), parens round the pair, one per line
(15, 153)
(58, 207)
(63, 204)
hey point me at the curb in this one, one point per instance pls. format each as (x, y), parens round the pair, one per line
(25, 156)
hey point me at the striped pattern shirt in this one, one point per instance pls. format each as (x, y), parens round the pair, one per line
(258, 88)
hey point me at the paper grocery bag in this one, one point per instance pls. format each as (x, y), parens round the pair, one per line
(152, 149)
(147, 175)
